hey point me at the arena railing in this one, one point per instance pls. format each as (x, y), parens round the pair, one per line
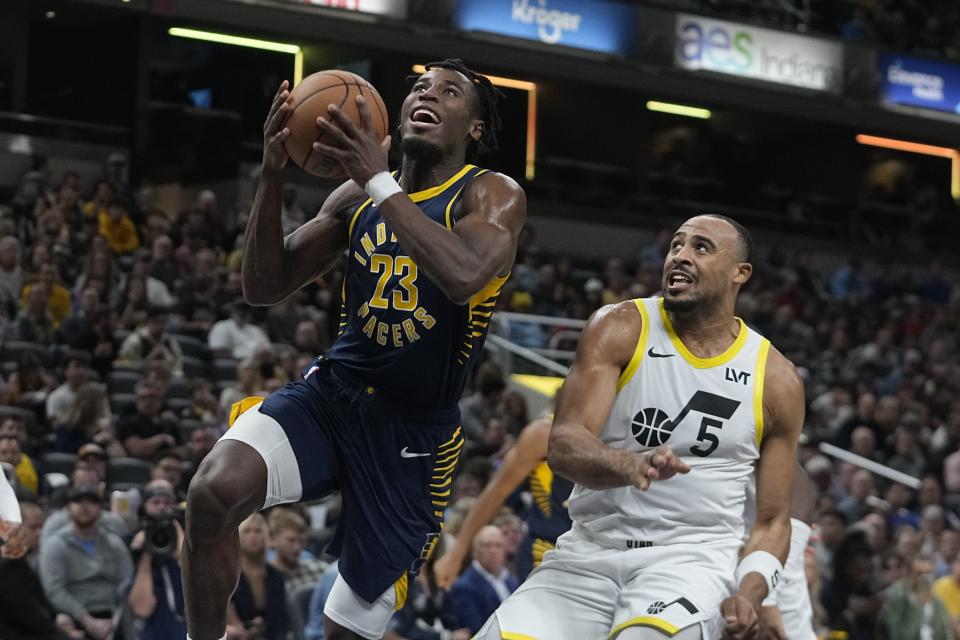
(871, 466)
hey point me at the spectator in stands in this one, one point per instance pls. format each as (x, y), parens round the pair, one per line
(95, 456)
(151, 343)
(58, 296)
(25, 612)
(35, 184)
(133, 309)
(16, 427)
(947, 589)
(79, 327)
(481, 588)
(167, 466)
(855, 506)
(477, 409)
(236, 337)
(910, 610)
(250, 383)
(832, 525)
(26, 471)
(76, 374)
(948, 550)
(197, 308)
(158, 295)
(899, 497)
(83, 476)
(292, 215)
(11, 273)
(906, 458)
(83, 567)
(199, 444)
(100, 270)
(205, 407)
(103, 194)
(260, 601)
(28, 386)
(864, 443)
(306, 338)
(848, 597)
(34, 322)
(288, 538)
(162, 266)
(514, 407)
(118, 228)
(156, 596)
(87, 421)
(148, 427)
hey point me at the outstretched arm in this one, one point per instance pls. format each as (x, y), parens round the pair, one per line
(275, 266)
(586, 398)
(530, 449)
(783, 414)
(460, 261)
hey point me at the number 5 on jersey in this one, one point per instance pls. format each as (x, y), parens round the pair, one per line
(403, 298)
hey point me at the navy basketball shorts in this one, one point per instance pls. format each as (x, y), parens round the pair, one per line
(393, 465)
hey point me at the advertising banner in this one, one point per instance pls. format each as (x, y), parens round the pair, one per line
(921, 83)
(761, 54)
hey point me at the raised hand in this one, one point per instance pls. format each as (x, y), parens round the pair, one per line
(357, 149)
(274, 133)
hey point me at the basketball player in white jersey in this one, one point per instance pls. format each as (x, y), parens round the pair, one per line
(670, 405)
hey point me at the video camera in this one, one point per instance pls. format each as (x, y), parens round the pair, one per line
(160, 534)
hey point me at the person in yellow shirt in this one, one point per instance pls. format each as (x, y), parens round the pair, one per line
(119, 230)
(947, 589)
(58, 302)
(102, 197)
(26, 472)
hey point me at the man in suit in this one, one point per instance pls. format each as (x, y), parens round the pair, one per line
(479, 591)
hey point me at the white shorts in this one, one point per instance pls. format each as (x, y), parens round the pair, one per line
(793, 594)
(352, 612)
(584, 590)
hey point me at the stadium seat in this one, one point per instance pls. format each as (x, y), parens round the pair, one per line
(224, 369)
(57, 462)
(132, 470)
(194, 367)
(120, 403)
(193, 347)
(123, 381)
(13, 349)
(179, 388)
(29, 417)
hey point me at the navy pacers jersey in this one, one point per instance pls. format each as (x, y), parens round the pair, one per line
(547, 517)
(398, 331)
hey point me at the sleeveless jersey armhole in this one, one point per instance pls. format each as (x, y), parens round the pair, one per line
(760, 372)
(637, 357)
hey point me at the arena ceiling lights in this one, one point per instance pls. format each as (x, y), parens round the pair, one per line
(530, 162)
(924, 149)
(678, 109)
(252, 43)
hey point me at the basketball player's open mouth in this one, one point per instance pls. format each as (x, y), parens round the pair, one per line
(678, 281)
(424, 117)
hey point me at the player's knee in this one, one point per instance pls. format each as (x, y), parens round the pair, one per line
(229, 485)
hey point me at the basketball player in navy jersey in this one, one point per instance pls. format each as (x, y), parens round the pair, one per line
(428, 249)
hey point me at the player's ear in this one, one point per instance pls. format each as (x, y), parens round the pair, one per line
(476, 130)
(744, 271)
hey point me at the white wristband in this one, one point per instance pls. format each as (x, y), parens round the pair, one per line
(382, 186)
(9, 507)
(766, 564)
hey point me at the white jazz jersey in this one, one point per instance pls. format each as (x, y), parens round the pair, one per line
(709, 411)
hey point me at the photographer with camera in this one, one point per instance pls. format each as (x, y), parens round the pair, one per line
(156, 596)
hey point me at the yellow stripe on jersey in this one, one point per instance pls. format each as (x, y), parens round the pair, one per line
(758, 375)
(491, 290)
(448, 217)
(645, 621)
(239, 407)
(538, 548)
(509, 635)
(703, 363)
(541, 484)
(637, 356)
(356, 214)
(426, 194)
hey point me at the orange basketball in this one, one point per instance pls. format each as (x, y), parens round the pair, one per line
(309, 100)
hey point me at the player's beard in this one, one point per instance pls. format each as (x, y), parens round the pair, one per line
(691, 306)
(423, 153)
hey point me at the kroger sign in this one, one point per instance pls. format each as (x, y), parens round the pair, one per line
(761, 54)
(599, 25)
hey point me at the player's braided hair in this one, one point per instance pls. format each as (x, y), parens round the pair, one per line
(488, 99)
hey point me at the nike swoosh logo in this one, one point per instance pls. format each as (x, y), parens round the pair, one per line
(654, 354)
(406, 454)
